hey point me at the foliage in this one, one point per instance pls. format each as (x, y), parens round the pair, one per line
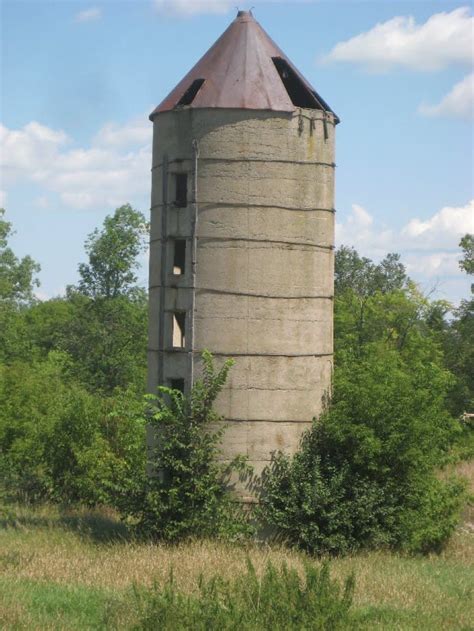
(363, 277)
(113, 254)
(107, 337)
(72, 418)
(17, 277)
(17, 282)
(456, 337)
(396, 319)
(61, 443)
(467, 246)
(365, 473)
(106, 340)
(458, 343)
(364, 476)
(102, 326)
(281, 599)
(186, 493)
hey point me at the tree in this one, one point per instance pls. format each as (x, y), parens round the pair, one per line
(17, 276)
(59, 442)
(113, 254)
(17, 282)
(187, 494)
(467, 262)
(458, 340)
(364, 277)
(107, 335)
(365, 473)
(106, 339)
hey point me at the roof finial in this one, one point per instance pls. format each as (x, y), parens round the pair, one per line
(241, 13)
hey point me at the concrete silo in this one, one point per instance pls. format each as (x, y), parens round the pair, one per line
(242, 239)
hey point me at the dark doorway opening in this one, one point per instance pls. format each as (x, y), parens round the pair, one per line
(181, 192)
(179, 256)
(177, 384)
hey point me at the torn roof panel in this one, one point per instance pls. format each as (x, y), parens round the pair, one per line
(239, 71)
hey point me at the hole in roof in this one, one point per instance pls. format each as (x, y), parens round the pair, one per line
(190, 94)
(299, 94)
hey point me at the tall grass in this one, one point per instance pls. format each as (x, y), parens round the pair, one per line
(79, 570)
(279, 599)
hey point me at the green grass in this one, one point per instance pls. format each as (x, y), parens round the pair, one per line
(29, 604)
(78, 570)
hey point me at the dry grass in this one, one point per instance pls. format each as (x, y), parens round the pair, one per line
(84, 562)
(47, 548)
(55, 553)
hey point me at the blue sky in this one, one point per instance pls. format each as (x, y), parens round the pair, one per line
(79, 79)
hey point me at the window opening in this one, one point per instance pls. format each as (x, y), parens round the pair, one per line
(299, 94)
(190, 94)
(177, 384)
(179, 329)
(181, 192)
(179, 256)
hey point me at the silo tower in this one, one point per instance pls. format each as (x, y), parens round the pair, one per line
(242, 239)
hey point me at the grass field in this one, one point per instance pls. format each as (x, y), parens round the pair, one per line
(79, 570)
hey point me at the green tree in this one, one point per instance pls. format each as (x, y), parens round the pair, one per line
(106, 339)
(17, 276)
(73, 373)
(186, 494)
(61, 443)
(113, 255)
(17, 282)
(467, 262)
(363, 277)
(365, 473)
(458, 339)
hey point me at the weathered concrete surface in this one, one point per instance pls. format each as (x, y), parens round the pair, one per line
(265, 267)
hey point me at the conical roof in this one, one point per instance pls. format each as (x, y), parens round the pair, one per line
(244, 69)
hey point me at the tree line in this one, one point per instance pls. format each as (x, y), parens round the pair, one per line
(73, 413)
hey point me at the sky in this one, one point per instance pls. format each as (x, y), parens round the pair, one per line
(78, 80)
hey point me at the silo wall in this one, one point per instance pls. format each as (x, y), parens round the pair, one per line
(262, 184)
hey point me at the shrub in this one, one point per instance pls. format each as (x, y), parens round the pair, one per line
(279, 600)
(187, 491)
(60, 443)
(365, 473)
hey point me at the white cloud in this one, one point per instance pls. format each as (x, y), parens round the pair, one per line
(359, 231)
(115, 169)
(429, 248)
(433, 265)
(444, 227)
(444, 39)
(137, 131)
(459, 103)
(88, 15)
(189, 8)
(31, 146)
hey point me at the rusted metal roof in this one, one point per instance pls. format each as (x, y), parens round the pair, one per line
(244, 69)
